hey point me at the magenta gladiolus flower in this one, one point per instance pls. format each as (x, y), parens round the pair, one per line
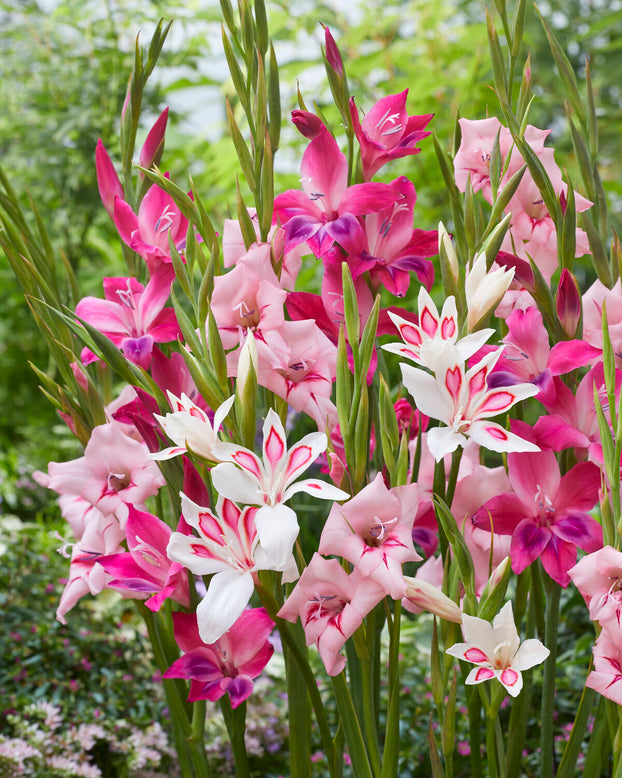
(387, 132)
(546, 514)
(327, 210)
(146, 569)
(497, 651)
(227, 666)
(132, 316)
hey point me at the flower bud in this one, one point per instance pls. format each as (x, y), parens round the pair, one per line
(151, 152)
(447, 251)
(484, 290)
(568, 303)
(427, 596)
(333, 55)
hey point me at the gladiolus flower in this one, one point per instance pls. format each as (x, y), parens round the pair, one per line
(497, 651)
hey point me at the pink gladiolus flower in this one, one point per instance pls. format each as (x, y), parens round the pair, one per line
(546, 514)
(472, 159)
(229, 664)
(327, 210)
(227, 549)
(304, 374)
(606, 676)
(373, 530)
(102, 536)
(596, 297)
(497, 651)
(145, 569)
(148, 233)
(133, 317)
(331, 605)
(463, 401)
(527, 355)
(387, 132)
(269, 483)
(598, 576)
(115, 471)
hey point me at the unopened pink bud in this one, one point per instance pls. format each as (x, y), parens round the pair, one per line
(568, 302)
(151, 151)
(307, 123)
(427, 596)
(333, 55)
(107, 179)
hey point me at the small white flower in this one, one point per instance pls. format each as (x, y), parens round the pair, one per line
(497, 651)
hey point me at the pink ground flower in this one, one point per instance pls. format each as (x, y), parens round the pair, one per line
(226, 666)
(373, 530)
(331, 605)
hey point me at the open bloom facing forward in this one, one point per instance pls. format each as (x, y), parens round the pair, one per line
(463, 401)
(497, 651)
(245, 478)
(226, 666)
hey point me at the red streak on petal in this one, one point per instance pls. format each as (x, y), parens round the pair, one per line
(248, 462)
(200, 550)
(453, 382)
(509, 677)
(410, 334)
(299, 459)
(448, 328)
(497, 433)
(483, 674)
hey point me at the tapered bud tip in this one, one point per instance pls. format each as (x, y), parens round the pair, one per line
(153, 141)
(568, 302)
(498, 573)
(107, 179)
(307, 123)
(446, 248)
(248, 358)
(333, 55)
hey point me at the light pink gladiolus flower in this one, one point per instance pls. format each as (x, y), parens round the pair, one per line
(463, 401)
(102, 536)
(227, 665)
(387, 132)
(497, 651)
(115, 471)
(596, 297)
(270, 482)
(133, 317)
(331, 605)
(606, 677)
(598, 576)
(373, 530)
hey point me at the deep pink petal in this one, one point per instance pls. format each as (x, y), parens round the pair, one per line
(528, 542)
(571, 354)
(578, 489)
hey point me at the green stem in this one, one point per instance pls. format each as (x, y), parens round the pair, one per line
(391, 750)
(552, 591)
(568, 764)
(453, 476)
(351, 728)
(475, 715)
(235, 720)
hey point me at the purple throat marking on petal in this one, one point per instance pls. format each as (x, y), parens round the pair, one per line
(375, 535)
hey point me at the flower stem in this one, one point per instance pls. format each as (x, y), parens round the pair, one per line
(552, 592)
(235, 720)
